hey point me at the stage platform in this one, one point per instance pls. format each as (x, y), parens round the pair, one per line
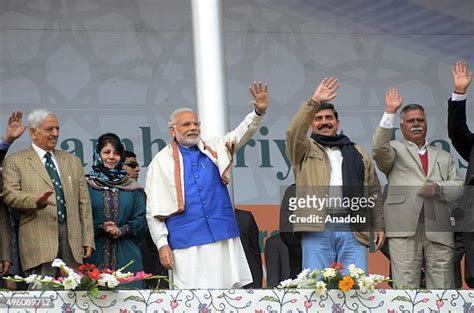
(239, 300)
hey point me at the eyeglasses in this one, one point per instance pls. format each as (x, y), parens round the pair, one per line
(132, 164)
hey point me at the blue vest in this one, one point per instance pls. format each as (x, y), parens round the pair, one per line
(208, 215)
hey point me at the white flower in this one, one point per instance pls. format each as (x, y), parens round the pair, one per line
(364, 283)
(73, 275)
(376, 278)
(329, 273)
(320, 288)
(58, 263)
(286, 283)
(303, 274)
(30, 279)
(120, 275)
(109, 281)
(70, 283)
(47, 279)
(314, 274)
(303, 283)
(355, 271)
(35, 280)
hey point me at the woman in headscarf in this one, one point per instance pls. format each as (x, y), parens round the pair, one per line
(118, 208)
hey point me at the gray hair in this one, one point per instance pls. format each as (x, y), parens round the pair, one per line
(37, 116)
(410, 107)
(175, 113)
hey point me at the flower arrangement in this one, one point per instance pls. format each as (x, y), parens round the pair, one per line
(335, 277)
(89, 278)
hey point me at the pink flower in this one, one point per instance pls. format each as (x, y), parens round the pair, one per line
(238, 298)
(424, 300)
(293, 301)
(308, 304)
(439, 303)
(174, 304)
(158, 300)
(141, 275)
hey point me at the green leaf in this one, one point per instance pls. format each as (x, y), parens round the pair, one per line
(270, 298)
(134, 298)
(94, 292)
(401, 298)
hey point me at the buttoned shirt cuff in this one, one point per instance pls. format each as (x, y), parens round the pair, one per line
(387, 120)
(458, 97)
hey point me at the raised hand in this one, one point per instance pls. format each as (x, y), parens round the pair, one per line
(326, 91)
(259, 92)
(43, 199)
(461, 77)
(393, 100)
(14, 129)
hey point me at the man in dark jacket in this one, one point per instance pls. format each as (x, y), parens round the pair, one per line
(463, 141)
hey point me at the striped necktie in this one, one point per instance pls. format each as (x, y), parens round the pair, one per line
(58, 188)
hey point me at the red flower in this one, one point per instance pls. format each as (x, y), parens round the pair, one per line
(84, 268)
(124, 311)
(337, 265)
(94, 274)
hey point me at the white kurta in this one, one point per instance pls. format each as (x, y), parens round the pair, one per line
(220, 264)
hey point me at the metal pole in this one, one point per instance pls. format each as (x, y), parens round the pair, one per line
(209, 64)
(210, 73)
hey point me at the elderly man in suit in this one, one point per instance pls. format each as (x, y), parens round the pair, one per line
(421, 180)
(48, 187)
(14, 130)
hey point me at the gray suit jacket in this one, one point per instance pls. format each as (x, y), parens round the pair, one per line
(24, 177)
(400, 162)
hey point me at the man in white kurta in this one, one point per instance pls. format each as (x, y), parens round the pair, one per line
(189, 212)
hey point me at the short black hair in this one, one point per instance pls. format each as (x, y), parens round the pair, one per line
(129, 154)
(114, 140)
(411, 107)
(326, 106)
